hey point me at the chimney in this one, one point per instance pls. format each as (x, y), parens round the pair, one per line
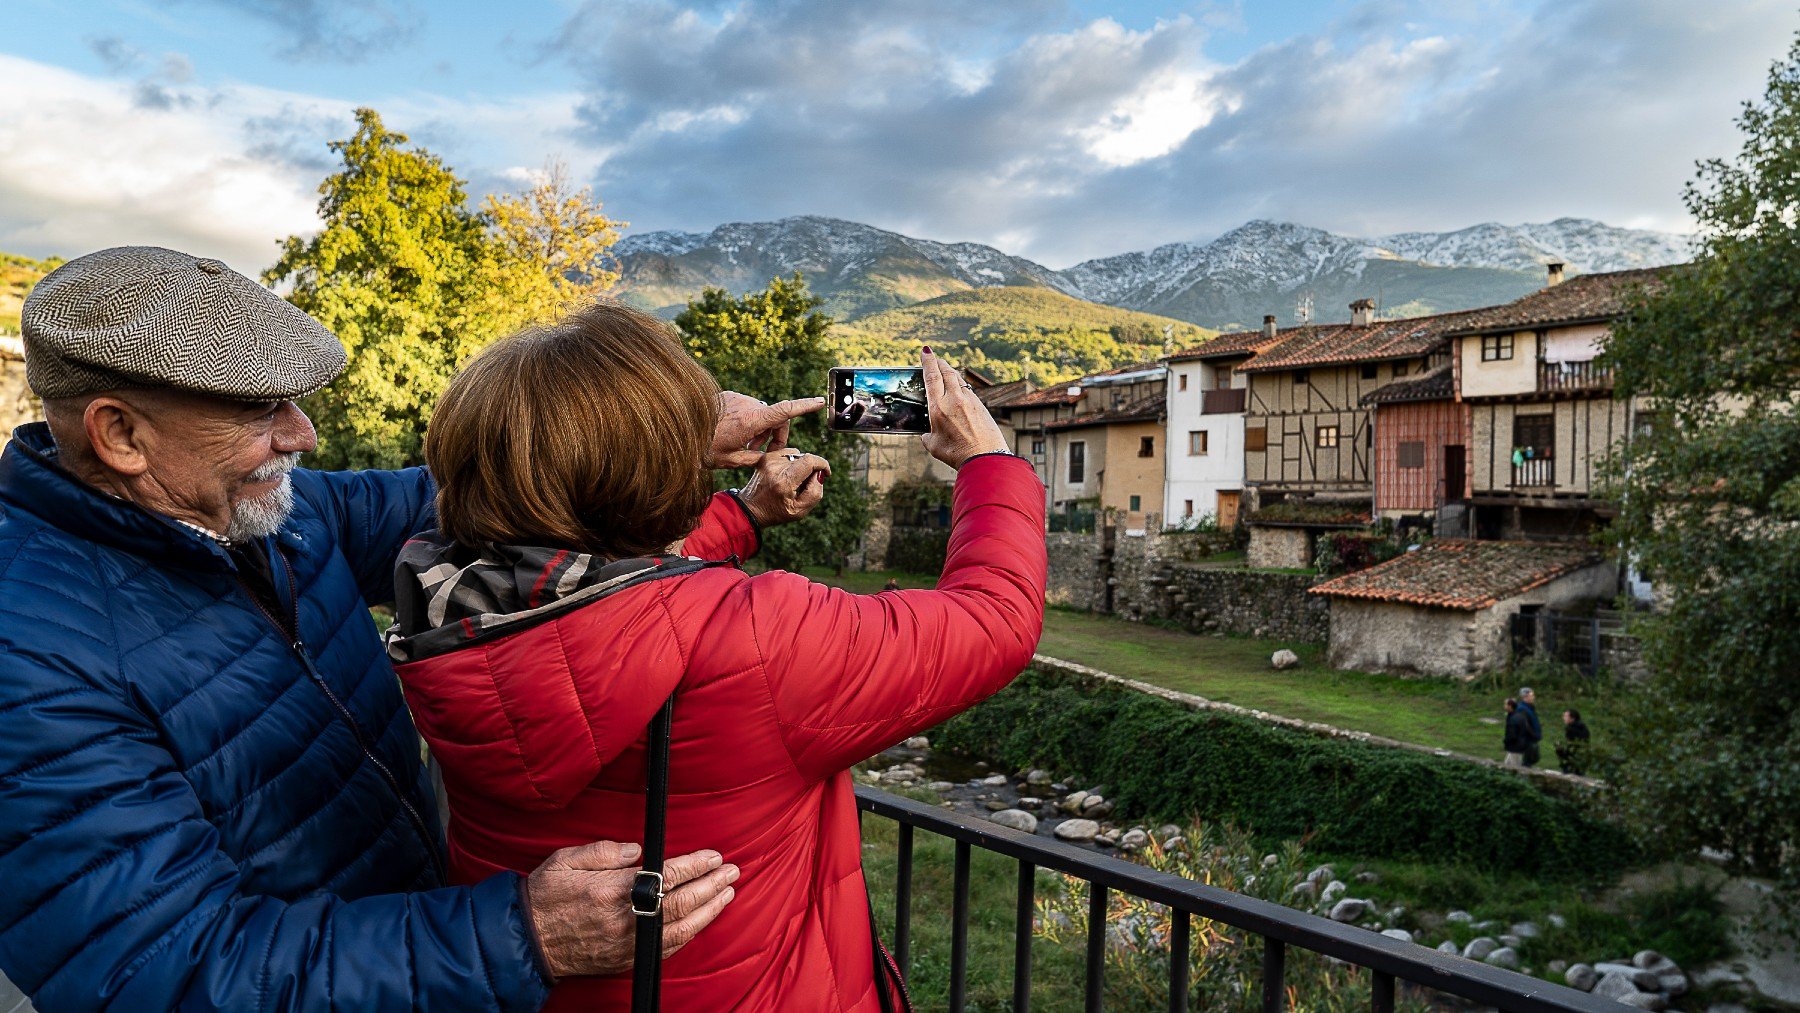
(1269, 326)
(1362, 312)
(1554, 271)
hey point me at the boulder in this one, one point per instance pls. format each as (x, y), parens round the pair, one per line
(1037, 777)
(1505, 956)
(1306, 888)
(1018, 819)
(1368, 877)
(1480, 947)
(1333, 890)
(942, 785)
(917, 742)
(1648, 959)
(1107, 839)
(1319, 875)
(994, 806)
(1459, 916)
(1673, 983)
(1284, 659)
(1556, 921)
(1448, 947)
(1029, 802)
(1581, 976)
(1133, 840)
(995, 780)
(1079, 831)
(1620, 988)
(1096, 810)
(1349, 909)
(1168, 830)
(1557, 966)
(1175, 843)
(1526, 930)
(1270, 860)
(1400, 934)
(1508, 939)
(1711, 976)
(1645, 1000)
(1072, 802)
(1642, 980)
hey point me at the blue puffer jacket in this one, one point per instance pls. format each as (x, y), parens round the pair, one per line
(195, 813)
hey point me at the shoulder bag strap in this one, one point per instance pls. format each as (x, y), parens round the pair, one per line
(647, 890)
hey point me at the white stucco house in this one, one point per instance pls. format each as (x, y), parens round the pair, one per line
(1204, 475)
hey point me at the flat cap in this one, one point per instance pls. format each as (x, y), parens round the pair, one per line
(143, 316)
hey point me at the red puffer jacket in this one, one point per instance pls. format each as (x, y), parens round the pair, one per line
(781, 685)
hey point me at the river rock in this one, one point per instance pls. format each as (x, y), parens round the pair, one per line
(1058, 787)
(1642, 980)
(1097, 812)
(1107, 838)
(917, 742)
(1037, 777)
(981, 765)
(1448, 947)
(1648, 959)
(1349, 909)
(1320, 874)
(1175, 843)
(1581, 976)
(1333, 890)
(1526, 930)
(1306, 888)
(1166, 831)
(1620, 988)
(1368, 877)
(942, 785)
(1459, 916)
(1133, 840)
(1505, 956)
(1708, 977)
(994, 806)
(1284, 659)
(1556, 921)
(1092, 801)
(1073, 802)
(1557, 966)
(1018, 819)
(1400, 934)
(1079, 831)
(1645, 1000)
(1480, 947)
(1508, 939)
(995, 780)
(1271, 860)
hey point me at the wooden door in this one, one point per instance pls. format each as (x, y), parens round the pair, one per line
(1456, 473)
(1228, 510)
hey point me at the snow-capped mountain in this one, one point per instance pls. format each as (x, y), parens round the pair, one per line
(1260, 267)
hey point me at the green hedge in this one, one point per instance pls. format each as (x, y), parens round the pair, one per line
(1160, 760)
(917, 550)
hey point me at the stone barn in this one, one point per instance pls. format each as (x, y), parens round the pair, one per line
(1445, 609)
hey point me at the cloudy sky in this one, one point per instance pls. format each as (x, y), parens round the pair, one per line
(1056, 129)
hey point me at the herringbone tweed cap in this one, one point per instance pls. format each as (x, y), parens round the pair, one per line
(143, 316)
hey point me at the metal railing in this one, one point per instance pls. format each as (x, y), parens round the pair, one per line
(1389, 960)
(1574, 376)
(1223, 401)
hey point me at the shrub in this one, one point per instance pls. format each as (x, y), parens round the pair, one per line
(1165, 761)
(917, 550)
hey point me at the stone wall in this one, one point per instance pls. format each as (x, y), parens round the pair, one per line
(17, 405)
(1139, 577)
(1280, 548)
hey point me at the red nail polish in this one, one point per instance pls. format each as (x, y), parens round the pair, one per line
(927, 349)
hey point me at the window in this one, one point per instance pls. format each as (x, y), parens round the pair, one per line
(1187, 509)
(1534, 437)
(1256, 439)
(1412, 455)
(1496, 347)
(1137, 503)
(1196, 443)
(1181, 381)
(1369, 371)
(1037, 448)
(1399, 369)
(1300, 377)
(1146, 446)
(1077, 462)
(1327, 436)
(1221, 377)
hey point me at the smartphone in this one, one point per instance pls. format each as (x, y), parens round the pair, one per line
(878, 399)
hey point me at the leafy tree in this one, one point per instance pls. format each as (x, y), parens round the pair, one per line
(1711, 512)
(550, 251)
(773, 345)
(390, 274)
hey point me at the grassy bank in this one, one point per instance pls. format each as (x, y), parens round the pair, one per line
(1429, 712)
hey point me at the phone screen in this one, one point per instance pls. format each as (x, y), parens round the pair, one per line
(878, 399)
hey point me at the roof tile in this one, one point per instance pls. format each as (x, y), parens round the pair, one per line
(1460, 574)
(1583, 297)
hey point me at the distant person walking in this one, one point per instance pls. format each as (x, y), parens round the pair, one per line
(1534, 730)
(1514, 741)
(1571, 753)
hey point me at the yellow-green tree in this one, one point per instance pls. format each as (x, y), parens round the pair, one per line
(550, 250)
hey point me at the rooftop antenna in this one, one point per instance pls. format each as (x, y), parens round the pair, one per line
(1168, 339)
(1303, 308)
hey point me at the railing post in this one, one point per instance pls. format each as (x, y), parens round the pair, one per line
(1096, 947)
(1274, 978)
(1022, 938)
(959, 929)
(1180, 952)
(1382, 992)
(903, 901)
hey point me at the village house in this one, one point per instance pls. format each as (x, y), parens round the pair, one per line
(1309, 437)
(1540, 413)
(1447, 607)
(1420, 457)
(1205, 402)
(1097, 441)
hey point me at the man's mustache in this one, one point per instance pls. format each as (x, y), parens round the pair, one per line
(276, 468)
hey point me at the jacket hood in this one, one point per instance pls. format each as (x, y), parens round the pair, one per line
(485, 650)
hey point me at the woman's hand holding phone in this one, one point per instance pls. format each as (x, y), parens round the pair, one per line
(787, 485)
(961, 426)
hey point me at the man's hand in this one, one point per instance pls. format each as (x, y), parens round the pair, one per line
(581, 904)
(748, 428)
(786, 486)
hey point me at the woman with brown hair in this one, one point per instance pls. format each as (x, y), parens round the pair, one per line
(555, 612)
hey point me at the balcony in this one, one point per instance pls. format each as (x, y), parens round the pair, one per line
(1389, 961)
(1566, 376)
(1539, 472)
(1224, 401)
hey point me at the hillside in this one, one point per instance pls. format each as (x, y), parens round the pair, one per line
(17, 275)
(1231, 282)
(1014, 332)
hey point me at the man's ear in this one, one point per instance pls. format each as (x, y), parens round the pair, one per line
(118, 434)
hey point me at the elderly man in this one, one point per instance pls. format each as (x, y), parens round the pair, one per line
(210, 793)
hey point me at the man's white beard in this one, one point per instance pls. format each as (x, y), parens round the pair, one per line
(264, 515)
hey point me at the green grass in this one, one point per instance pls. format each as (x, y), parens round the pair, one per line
(1430, 712)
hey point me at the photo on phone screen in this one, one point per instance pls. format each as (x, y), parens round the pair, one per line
(879, 400)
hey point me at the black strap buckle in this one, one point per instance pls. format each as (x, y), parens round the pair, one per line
(647, 894)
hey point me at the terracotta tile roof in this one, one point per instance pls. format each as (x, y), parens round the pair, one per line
(1235, 343)
(1437, 385)
(1001, 394)
(1144, 409)
(1343, 344)
(1583, 298)
(1458, 574)
(1058, 393)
